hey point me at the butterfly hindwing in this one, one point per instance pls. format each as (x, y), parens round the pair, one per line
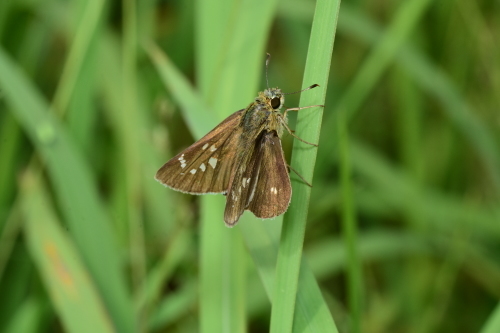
(262, 184)
(273, 183)
(205, 166)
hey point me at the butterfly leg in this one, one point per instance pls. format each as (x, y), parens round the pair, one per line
(298, 174)
(304, 107)
(296, 137)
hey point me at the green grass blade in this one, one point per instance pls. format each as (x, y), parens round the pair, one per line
(214, 26)
(151, 289)
(219, 307)
(457, 109)
(262, 243)
(65, 277)
(405, 20)
(28, 317)
(5, 8)
(75, 93)
(492, 325)
(11, 136)
(428, 76)
(75, 190)
(175, 306)
(303, 160)
(312, 313)
(440, 211)
(349, 227)
(199, 118)
(222, 272)
(158, 202)
(232, 84)
(86, 33)
(384, 51)
(258, 236)
(129, 123)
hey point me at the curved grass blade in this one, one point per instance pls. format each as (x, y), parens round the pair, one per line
(75, 189)
(71, 290)
(199, 118)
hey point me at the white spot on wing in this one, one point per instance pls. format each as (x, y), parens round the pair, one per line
(274, 190)
(203, 167)
(212, 161)
(213, 148)
(193, 171)
(248, 180)
(244, 182)
(183, 161)
(205, 146)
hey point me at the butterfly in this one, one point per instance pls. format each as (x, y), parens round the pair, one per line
(241, 158)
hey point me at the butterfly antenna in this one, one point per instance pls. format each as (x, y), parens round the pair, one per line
(308, 88)
(267, 65)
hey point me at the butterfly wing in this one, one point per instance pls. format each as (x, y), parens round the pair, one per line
(205, 166)
(263, 185)
(273, 190)
(243, 183)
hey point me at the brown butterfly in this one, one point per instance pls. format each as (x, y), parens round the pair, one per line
(241, 158)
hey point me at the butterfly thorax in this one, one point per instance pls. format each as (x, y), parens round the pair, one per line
(264, 114)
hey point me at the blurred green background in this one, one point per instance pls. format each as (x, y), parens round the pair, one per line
(403, 227)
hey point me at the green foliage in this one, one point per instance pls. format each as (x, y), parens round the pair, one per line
(399, 231)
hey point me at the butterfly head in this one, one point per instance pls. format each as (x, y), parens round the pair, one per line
(273, 97)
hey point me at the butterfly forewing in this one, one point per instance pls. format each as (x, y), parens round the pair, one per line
(243, 182)
(264, 186)
(273, 190)
(205, 166)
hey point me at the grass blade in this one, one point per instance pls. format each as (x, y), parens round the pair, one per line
(75, 189)
(349, 227)
(428, 76)
(303, 160)
(199, 118)
(28, 317)
(86, 33)
(70, 288)
(492, 325)
(262, 240)
(233, 75)
(382, 55)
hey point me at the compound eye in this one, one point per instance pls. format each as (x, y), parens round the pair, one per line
(275, 102)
